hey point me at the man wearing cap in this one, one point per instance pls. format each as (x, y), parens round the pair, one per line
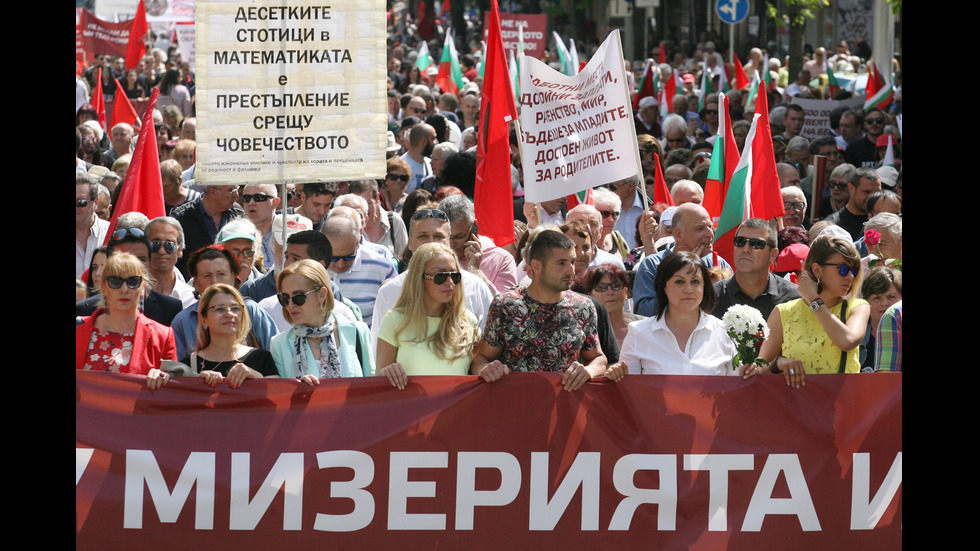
(260, 202)
(239, 237)
(645, 119)
(753, 284)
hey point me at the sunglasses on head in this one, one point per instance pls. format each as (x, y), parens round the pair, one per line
(298, 298)
(116, 282)
(257, 197)
(422, 214)
(842, 269)
(402, 177)
(753, 242)
(441, 277)
(127, 232)
(82, 203)
(615, 286)
(168, 246)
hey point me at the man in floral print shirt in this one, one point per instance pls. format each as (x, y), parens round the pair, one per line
(543, 327)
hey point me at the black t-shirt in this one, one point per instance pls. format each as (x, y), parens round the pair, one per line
(257, 359)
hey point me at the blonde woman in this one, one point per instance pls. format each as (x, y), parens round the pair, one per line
(319, 344)
(429, 331)
(223, 325)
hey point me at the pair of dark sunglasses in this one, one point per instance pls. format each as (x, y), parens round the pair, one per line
(169, 246)
(402, 177)
(257, 197)
(116, 282)
(753, 242)
(422, 214)
(298, 298)
(82, 203)
(615, 286)
(441, 277)
(842, 269)
(127, 232)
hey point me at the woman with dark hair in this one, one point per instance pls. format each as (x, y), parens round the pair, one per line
(131, 85)
(610, 285)
(820, 332)
(172, 92)
(416, 76)
(882, 288)
(429, 331)
(682, 338)
(93, 276)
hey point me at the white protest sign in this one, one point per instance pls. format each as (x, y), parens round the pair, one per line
(290, 92)
(816, 114)
(577, 131)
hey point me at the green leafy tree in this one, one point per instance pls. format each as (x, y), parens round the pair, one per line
(794, 14)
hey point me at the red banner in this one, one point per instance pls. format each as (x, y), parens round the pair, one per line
(533, 26)
(103, 37)
(666, 462)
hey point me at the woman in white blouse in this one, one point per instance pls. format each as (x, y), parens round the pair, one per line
(681, 338)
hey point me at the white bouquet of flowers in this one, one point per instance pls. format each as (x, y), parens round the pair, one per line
(747, 328)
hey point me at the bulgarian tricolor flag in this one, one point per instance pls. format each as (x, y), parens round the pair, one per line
(450, 77)
(705, 85)
(564, 57)
(832, 85)
(763, 73)
(724, 159)
(648, 84)
(889, 158)
(738, 201)
(877, 92)
(573, 57)
(424, 60)
(515, 75)
(668, 91)
(580, 198)
(767, 197)
(724, 83)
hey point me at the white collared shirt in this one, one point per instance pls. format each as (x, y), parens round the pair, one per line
(650, 348)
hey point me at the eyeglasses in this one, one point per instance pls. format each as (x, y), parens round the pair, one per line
(82, 203)
(127, 232)
(417, 110)
(249, 253)
(347, 258)
(603, 287)
(257, 197)
(753, 242)
(682, 139)
(441, 277)
(298, 298)
(614, 187)
(422, 214)
(224, 309)
(609, 213)
(116, 282)
(838, 185)
(402, 177)
(842, 269)
(711, 112)
(795, 205)
(875, 121)
(168, 246)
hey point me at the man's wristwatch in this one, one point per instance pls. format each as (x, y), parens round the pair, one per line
(815, 305)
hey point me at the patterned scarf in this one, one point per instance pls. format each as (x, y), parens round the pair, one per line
(329, 359)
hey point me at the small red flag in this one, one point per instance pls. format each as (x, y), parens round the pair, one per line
(136, 48)
(663, 54)
(741, 79)
(98, 101)
(661, 194)
(143, 187)
(122, 109)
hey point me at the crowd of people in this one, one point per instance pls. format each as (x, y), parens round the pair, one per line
(393, 278)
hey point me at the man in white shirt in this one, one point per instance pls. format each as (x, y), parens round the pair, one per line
(90, 230)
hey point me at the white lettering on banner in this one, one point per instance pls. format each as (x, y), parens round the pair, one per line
(293, 87)
(287, 475)
(577, 130)
(82, 457)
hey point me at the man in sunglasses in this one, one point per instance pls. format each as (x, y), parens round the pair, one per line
(156, 306)
(166, 246)
(260, 203)
(90, 230)
(753, 284)
(357, 269)
(862, 152)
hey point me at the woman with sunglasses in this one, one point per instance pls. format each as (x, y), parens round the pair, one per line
(610, 285)
(223, 325)
(118, 337)
(319, 344)
(811, 334)
(429, 331)
(393, 188)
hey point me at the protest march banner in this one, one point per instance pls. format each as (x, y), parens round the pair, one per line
(534, 27)
(187, 42)
(817, 114)
(100, 37)
(652, 462)
(577, 131)
(290, 92)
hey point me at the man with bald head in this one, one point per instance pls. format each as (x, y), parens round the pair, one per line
(590, 216)
(358, 271)
(692, 231)
(421, 141)
(686, 191)
(788, 175)
(674, 174)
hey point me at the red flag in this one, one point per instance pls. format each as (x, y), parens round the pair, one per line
(493, 198)
(98, 101)
(646, 85)
(143, 187)
(661, 194)
(137, 46)
(667, 93)
(663, 54)
(767, 198)
(741, 79)
(122, 109)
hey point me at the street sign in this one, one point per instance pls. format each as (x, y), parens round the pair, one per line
(732, 11)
